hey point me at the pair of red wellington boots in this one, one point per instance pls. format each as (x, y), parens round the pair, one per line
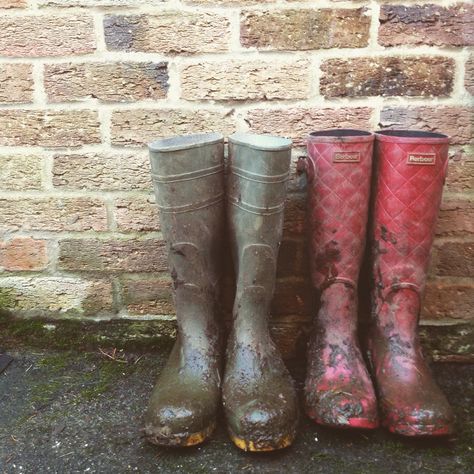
(409, 173)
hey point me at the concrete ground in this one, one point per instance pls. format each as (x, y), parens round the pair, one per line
(73, 412)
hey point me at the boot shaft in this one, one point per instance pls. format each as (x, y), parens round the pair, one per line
(411, 169)
(339, 171)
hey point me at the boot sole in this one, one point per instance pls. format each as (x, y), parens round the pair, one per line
(352, 423)
(262, 446)
(412, 430)
(182, 440)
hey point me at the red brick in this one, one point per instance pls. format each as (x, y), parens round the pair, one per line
(46, 35)
(294, 224)
(23, 254)
(304, 29)
(17, 83)
(453, 121)
(53, 214)
(387, 76)
(102, 171)
(49, 128)
(20, 172)
(137, 214)
(456, 218)
(246, 80)
(448, 299)
(297, 122)
(148, 296)
(113, 256)
(292, 298)
(455, 259)
(171, 32)
(460, 177)
(427, 24)
(138, 127)
(108, 82)
(13, 3)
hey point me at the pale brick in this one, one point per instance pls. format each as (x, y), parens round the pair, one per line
(305, 29)
(102, 171)
(23, 254)
(52, 214)
(392, 76)
(448, 299)
(113, 256)
(297, 123)
(246, 80)
(235, 3)
(108, 82)
(454, 121)
(13, 3)
(46, 35)
(96, 3)
(49, 128)
(137, 127)
(136, 214)
(469, 75)
(455, 259)
(172, 32)
(456, 218)
(148, 296)
(427, 24)
(16, 83)
(20, 172)
(61, 296)
(460, 178)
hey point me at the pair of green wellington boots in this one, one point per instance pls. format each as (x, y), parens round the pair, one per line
(196, 194)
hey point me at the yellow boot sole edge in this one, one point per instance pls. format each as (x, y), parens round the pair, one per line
(261, 446)
(183, 441)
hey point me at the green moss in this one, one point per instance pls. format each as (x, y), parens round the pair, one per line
(7, 299)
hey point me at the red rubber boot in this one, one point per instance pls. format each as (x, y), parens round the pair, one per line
(338, 389)
(411, 168)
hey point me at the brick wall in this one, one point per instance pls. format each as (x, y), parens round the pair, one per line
(85, 84)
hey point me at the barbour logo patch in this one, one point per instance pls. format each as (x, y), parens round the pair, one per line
(346, 157)
(421, 159)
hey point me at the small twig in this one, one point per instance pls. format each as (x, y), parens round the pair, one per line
(14, 439)
(66, 454)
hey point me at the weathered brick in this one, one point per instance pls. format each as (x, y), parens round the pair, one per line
(295, 216)
(61, 296)
(136, 127)
(17, 83)
(228, 2)
(23, 254)
(246, 80)
(427, 24)
(448, 300)
(387, 76)
(108, 82)
(292, 259)
(49, 128)
(469, 75)
(291, 298)
(113, 255)
(298, 122)
(453, 121)
(455, 259)
(20, 172)
(46, 35)
(173, 32)
(460, 178)
(291, 339)
(137, 214)
(53, 214)
(13, 3)
(145, 296)
(456, 218)
(96, 3)
(305, 29)
(102, 171)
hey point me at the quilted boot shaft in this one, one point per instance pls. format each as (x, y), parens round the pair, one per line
(188, 176)
(338, 390)
(258, 394)
(411, 168)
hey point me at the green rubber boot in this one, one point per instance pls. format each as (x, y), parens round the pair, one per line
(258, 393)
(188, 175)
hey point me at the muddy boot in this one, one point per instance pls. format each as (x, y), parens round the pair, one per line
(259, 397)
(411, 168)
(188, 175)
(338, 389)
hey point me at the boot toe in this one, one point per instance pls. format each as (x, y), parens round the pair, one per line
(341, 410)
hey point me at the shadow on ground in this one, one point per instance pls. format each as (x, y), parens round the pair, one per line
(71, 412)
